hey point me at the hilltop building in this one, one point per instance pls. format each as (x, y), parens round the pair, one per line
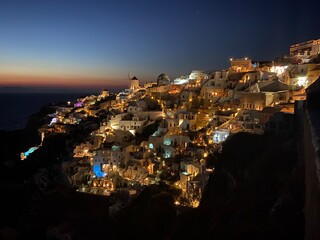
(241, 65)
(163, 79)
(134, 84)
(305, 49)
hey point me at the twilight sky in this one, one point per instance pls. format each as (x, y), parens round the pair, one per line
(94, 44)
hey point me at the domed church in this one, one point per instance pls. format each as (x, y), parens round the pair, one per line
(163, 79)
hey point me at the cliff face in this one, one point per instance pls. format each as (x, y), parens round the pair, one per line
(14, 142)
(18, 181)
(255, 192)
(312, 171)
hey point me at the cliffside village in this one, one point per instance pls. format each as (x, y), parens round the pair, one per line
(163, 131)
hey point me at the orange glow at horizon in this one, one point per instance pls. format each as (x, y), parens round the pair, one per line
(69, 81)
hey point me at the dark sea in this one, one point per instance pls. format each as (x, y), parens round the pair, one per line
(17, 107)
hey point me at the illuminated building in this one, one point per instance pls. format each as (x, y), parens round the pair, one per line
(122, 95)
(195, 74)
(134, 84)
(266, 93)
(132, 124)
(248, 122)
(83, 150)
(240, 80)
(256, 101)
(214, 89)
(223, 116)
(187, 120)
(117, 155)
(187, 96)
(250, 76)
(302, 81)
(279, 70)
(129, 151)
(175, 89)
(216, 75)
(220, 135)
(176, 140)
(104, 93)
(307, 49)
(150, 85)
(135, 173)
(241, 65)
(197, 77)
(194, 79)
(137, 106)
(181, 80)
(304, 74)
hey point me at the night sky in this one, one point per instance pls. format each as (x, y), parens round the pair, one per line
(94, 44)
